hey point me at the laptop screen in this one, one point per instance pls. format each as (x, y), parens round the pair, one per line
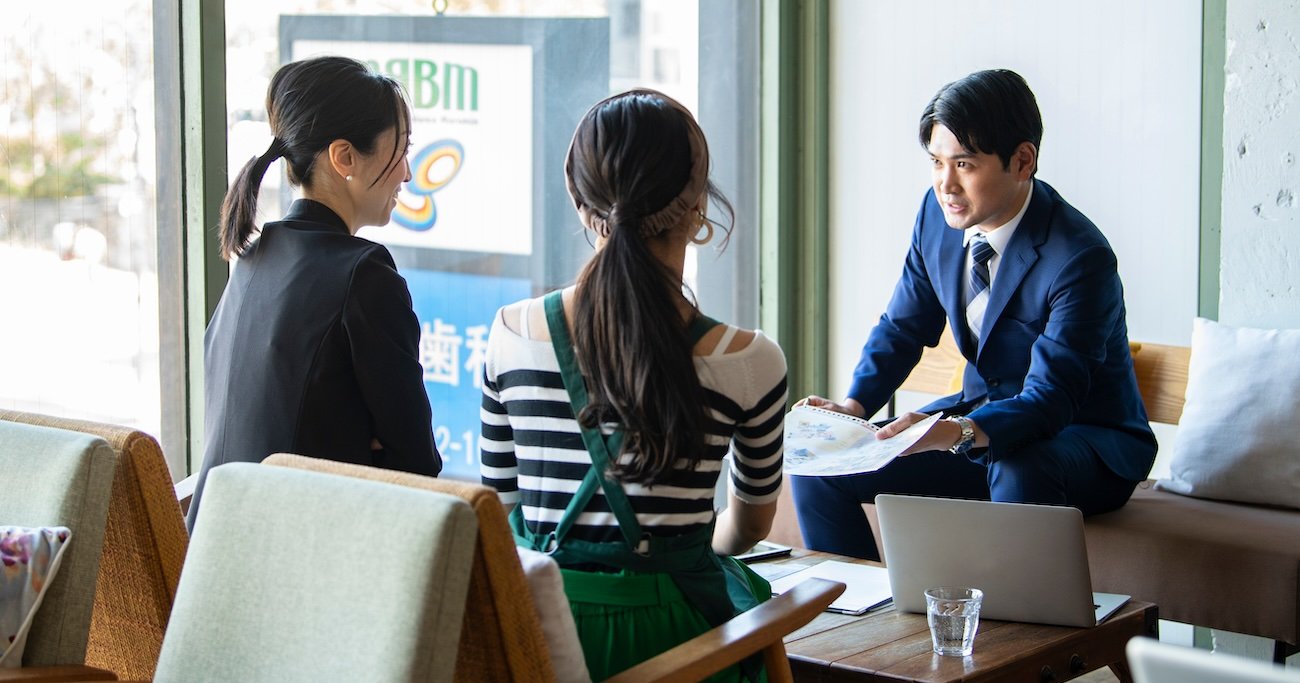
(1030, 560)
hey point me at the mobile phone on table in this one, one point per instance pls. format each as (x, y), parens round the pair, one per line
(764, 550)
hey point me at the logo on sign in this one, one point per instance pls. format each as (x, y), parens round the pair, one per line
(432, 168)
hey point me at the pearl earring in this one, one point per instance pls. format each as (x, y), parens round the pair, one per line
(348, 178)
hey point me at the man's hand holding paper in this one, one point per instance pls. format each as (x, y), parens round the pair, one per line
(820, 442)
(940, 437)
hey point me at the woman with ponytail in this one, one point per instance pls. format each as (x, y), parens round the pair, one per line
(314, 347)
(608, 407)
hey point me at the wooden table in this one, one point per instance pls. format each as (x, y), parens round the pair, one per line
(889, 645)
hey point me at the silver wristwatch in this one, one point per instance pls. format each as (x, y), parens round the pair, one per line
(963, 445)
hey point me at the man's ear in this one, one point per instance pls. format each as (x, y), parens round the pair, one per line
(1024, 161)
(343, 158)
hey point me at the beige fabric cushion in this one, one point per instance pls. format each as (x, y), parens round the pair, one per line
(144, 546)
(1237, 437)
(547, 587)
(503, 642)
(295, 575)
(55, 477)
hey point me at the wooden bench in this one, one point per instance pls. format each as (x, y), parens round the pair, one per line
(1222, 565)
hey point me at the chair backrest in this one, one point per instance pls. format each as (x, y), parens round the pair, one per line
(1155, 662)
(940, 369)
(305, 576)
(1162, 379)
(1161, 375)
(505, 641)
(144, 547)
(55, 477)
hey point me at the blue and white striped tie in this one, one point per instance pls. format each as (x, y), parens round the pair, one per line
(977, 284)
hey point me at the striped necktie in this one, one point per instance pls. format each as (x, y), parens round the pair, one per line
(977, 284)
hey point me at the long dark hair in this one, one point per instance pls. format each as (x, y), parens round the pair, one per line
(310, 104)
(633, 160)
(988, 111)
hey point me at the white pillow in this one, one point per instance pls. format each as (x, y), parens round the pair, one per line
(1238, 437)
(29, 559)
(547, 586)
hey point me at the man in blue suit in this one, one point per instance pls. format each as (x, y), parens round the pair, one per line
(1049, 410)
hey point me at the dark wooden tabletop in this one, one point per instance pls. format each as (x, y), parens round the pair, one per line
(893, 646)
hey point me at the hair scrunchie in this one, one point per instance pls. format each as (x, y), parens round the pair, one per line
(671, 214)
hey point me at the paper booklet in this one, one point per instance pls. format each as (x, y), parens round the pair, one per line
(824, 443)
(865, 587)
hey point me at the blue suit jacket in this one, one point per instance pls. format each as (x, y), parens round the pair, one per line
(1055, 350)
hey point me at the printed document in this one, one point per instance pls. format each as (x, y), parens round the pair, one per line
(824, 443)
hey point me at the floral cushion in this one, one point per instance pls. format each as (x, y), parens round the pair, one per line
(29, 559)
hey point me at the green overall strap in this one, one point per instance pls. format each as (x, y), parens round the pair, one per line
(602, 450)
(598, 447)
(699, 327)
(689, 559)
(547, 543)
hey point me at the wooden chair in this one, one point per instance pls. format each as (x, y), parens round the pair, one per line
(295, 575)
(144, 547)
(504, 640)
(1162, 379)
(56, 477)
(940, 369)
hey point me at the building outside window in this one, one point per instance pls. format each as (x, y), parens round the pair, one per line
(78, 246)
(497, 87)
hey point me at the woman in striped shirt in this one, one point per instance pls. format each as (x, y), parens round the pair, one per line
(608, 407)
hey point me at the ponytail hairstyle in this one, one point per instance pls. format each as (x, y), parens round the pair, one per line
(310, 104)
(637, 169)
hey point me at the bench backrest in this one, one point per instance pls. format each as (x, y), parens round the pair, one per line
(1161, 375)
(1162, 379)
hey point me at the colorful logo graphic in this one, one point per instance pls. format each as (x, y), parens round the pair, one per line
(432, 169)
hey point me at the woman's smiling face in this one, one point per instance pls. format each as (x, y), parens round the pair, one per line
(390, 164)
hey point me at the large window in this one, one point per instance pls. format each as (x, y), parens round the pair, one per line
(496, 89)
(78, 276)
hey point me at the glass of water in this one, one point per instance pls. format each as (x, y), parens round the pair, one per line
(954, 616)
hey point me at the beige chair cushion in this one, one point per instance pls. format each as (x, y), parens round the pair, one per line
(144, 547)
(505, 642)
(304, 576)
(54, 477)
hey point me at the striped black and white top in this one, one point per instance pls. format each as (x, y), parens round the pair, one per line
(532, 450)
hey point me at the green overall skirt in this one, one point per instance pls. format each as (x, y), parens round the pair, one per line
(668, 589)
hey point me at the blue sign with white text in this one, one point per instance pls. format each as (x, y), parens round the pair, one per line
(455, 312)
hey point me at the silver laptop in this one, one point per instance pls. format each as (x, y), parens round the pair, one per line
(1155, 662)
(1030, 560)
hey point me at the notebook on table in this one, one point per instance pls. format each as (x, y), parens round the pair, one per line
(1030, 560)
(866, 588)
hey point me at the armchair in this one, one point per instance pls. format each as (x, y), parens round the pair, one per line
(507, 642)
(54, 477)
(304, 576)
(144, 546)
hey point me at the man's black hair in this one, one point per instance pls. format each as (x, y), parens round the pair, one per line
(990, 112)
